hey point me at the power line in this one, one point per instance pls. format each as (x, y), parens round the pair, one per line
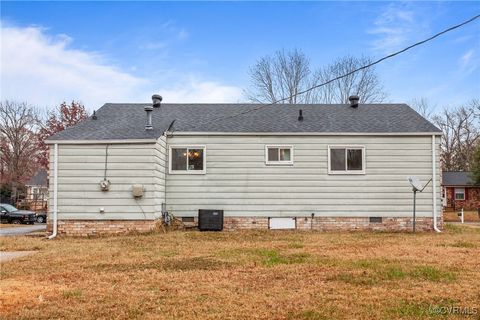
(353, 71)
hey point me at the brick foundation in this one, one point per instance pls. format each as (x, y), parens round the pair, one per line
(109, 227)
(336, 223)
(83, 228)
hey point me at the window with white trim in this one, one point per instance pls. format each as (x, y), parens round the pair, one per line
(279, 155)
(187, 159)
(459, 193)
(346, 160)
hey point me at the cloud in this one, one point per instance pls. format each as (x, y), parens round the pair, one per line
(394, 28)
(195, 90)
(45, 70)
(469, 62)
(183, 34)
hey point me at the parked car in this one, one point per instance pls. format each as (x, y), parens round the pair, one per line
(10, 214)
(41, 217)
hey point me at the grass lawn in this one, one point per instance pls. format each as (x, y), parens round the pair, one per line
(11, 225)
(469, 216)
(243, 275)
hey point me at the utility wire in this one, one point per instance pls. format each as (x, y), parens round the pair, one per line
(351, 72)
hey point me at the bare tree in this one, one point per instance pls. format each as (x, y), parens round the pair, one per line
(285, 74)
(364, 83)
(423, 107)
(461, 133)
(279, 76)
(18, 142)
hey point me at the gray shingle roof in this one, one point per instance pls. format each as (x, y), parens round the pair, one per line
(39, 179)
(127, 121)
(456, 178)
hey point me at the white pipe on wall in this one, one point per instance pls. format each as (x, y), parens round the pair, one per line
(55, 192)
(434, 187)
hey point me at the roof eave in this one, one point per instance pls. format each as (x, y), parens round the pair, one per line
(211, 133)
(109, 141)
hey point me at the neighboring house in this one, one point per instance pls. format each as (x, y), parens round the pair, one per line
(459, 191)
(37, 190)
(317, 166)
(37, 186)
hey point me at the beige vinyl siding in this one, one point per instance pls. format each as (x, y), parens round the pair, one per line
(81, 168)
(238, 180)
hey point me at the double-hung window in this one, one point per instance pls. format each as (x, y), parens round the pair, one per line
(459, 193)
(279, 155)
(187, 159)
(346, 160)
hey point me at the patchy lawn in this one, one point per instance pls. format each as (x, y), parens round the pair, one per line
(469, 216)
(243, 275)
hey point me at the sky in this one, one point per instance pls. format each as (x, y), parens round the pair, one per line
(98, 52)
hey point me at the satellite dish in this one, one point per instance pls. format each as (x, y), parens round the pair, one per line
(415, 182)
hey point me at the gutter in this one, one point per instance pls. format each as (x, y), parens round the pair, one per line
(119, 141)
(434, 180)
(207, 133)
(55, 193)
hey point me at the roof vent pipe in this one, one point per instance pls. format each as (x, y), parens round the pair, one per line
(149, 110)
(300, 115)
(157, 100)
(353, 101)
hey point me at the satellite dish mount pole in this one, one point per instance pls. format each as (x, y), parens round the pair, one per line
(414, 206)
(415, 190)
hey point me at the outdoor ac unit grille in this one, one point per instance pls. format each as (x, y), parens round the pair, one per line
(210, 220)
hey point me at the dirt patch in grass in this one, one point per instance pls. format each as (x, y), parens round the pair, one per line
(242, 275)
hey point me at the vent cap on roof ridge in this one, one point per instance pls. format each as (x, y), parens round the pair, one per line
(157, 100)
(353, 101)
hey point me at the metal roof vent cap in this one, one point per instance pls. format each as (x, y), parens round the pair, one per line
(354, 101)
(149, 110)
(157, 100)
(300, 115)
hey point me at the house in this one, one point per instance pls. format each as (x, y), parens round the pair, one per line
(37, 190)
(304, 166)
(459, 191)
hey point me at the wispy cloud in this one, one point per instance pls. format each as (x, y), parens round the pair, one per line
(394, 28)
(192, 89)
(45, 70)
(469, 61)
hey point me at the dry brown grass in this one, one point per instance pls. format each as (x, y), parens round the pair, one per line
(469, 216)
(242, 275)
(11, 225)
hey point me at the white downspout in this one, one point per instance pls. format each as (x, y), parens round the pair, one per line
(55, 192)
(434, 181)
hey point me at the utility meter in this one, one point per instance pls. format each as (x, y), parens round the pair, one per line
(105, 185)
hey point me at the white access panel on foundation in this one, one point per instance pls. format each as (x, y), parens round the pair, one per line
(281, 223)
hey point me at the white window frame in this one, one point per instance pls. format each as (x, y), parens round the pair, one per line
(279, 163)
(189, 146)
(346, 171)
(459, 191)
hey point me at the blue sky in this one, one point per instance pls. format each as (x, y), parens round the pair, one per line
(100, 52)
